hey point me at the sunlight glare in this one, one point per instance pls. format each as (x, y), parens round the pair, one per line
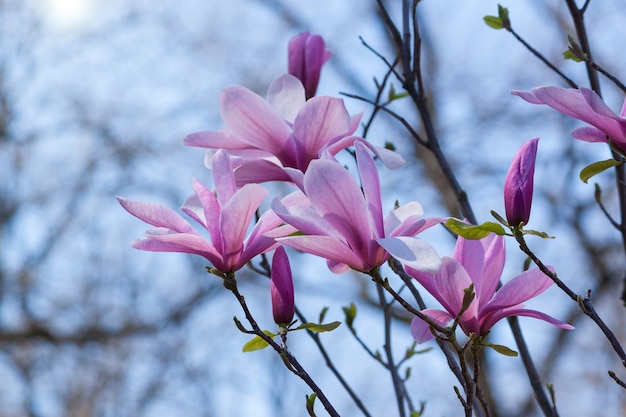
(67, 14)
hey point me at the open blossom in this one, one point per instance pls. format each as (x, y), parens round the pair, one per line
(583, 104)
(307, 54)
(281, 288)
(518, 186)
(225, 214)
(284, 131)
(479, 262)
(344, 223)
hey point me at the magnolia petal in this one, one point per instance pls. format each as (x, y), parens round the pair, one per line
(397, 220)
(327, 247)
(471, 254)
(523, 287)
(452, 281)
(223, 177)
(253, 120)
(305, 218)
(338, 198)
(495, 258)
(371, 187)
(492, 319)
(259, 239)
(286, 96)
(152, 245)
(193, 208)
(337, 267)
(156, 215)
(258, 171)
(421, 331)
(319, 121)
(582, 104)
(215, 139)
(528, 96)
(211, 213)
(589, 134)
(237, 214)
(412, 252)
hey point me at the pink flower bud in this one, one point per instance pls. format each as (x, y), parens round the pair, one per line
(518, 186)
(307, 54)
(281, 288)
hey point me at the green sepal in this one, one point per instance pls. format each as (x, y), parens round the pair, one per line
(501, 349)
(596, 168)
(474, 232)
(319, 328)
(468, 297)
(257, 342)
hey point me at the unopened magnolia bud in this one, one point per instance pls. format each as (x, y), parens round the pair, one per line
(281, 288)
(518, 186)
(307, 54)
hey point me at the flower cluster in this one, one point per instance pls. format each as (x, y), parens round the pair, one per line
(293, 136)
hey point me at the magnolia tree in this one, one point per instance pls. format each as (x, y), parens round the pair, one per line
(335, 211)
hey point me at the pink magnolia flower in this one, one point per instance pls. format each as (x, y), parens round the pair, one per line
(225, 214)
(281, 288)
(583, 104)
(518, 186)
(345, 224)
(479, 262)
(286, 131)
(307, 54)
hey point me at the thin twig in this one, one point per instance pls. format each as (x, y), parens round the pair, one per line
(584, 302)
(391, 366)
(543, 59)
(329, 363)
(231, 284)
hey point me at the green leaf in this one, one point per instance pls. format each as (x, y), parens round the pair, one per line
(390, 146)
(323, 314)
(569, 54)
(596, 168)
(310, 404)
(543, 235)
(503, 13)
(239, 325)
(393, 95)
(350, 313)
(501, 349)
(473, 232)
(493, 22)
(499, 218)
(257, 342)
(319, 328)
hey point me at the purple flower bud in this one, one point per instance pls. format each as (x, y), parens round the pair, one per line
(307, 54)
(281, 288)
(518, 186)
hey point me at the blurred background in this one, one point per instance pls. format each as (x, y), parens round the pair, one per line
(95, 98)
